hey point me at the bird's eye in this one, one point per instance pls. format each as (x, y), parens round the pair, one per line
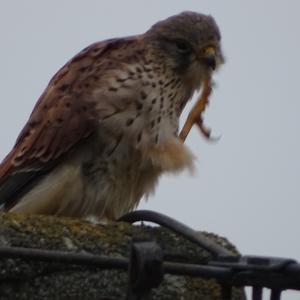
(183, 47)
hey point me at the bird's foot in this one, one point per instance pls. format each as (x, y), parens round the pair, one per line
(195, 115)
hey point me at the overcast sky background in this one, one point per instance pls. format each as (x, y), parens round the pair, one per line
(247, 185)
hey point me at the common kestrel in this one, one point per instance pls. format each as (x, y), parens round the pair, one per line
(106, 127)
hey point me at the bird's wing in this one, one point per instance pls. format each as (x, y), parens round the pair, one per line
(61, 119)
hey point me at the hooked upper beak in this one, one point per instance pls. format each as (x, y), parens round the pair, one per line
(209, 57)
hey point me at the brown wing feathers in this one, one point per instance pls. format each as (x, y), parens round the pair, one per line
(61, 118)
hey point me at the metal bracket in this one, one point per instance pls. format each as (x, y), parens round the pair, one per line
(145, 268)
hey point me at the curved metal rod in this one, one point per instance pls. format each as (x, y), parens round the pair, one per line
(177, 227)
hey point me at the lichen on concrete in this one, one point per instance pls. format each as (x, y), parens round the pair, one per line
(20, 279)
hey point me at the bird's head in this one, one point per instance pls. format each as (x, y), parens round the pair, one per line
(188, 43)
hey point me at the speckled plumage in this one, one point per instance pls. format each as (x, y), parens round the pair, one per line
(106, 126)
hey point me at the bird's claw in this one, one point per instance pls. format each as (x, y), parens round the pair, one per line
(206, 131)
(195, 115)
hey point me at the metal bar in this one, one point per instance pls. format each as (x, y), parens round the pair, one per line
(275, 294)
(55, 256)
(95, 261)
(203, 271)
(284, 279)
(294, 269)
(195, 237)
(257, 293)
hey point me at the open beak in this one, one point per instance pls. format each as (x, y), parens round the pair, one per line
(209, 57)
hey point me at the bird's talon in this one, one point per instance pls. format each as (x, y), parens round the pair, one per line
(205, 131)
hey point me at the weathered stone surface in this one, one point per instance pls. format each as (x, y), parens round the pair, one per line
(38, 280)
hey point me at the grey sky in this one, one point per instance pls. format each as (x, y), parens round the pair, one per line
(246, 186)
